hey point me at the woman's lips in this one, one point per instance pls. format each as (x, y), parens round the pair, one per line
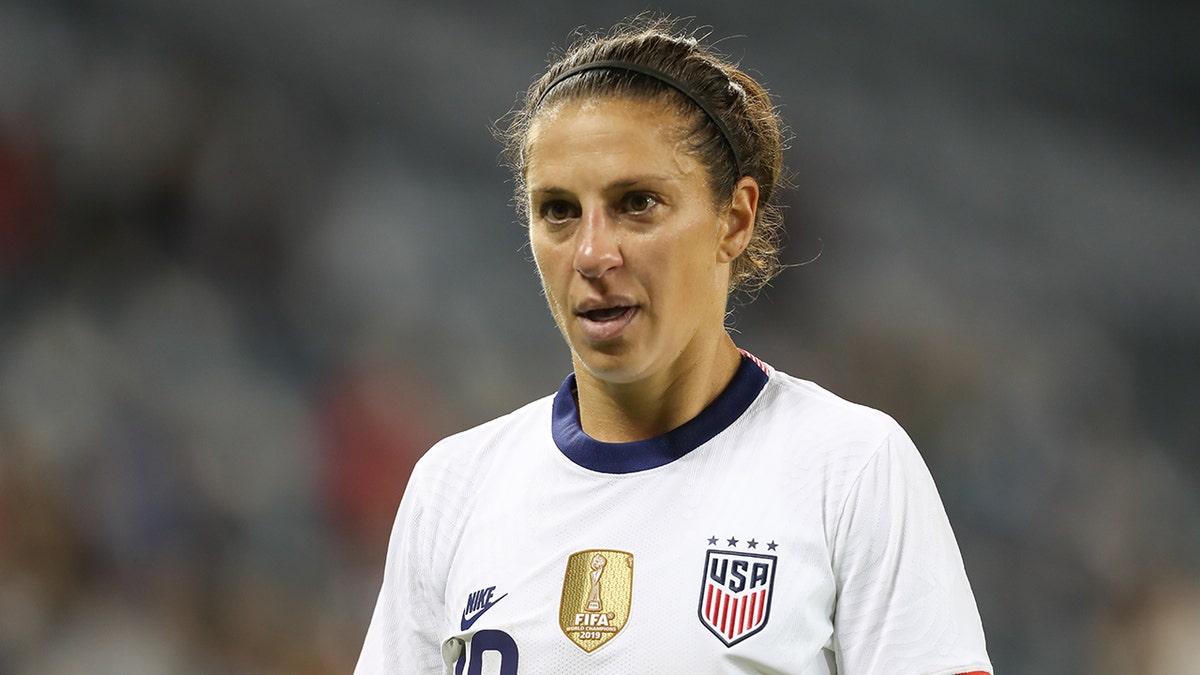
(606, 323)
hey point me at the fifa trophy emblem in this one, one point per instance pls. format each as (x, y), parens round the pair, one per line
(596, 598)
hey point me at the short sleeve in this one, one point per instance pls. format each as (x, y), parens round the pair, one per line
(904, 604)
(403, 634)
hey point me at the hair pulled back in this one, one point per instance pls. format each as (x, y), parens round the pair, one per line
(743, 105)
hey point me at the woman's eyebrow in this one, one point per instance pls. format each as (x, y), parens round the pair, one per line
(618, 184)
(636, 180)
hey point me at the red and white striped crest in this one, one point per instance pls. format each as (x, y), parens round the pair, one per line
(735, 598)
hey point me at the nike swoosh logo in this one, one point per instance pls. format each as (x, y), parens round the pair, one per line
(467, 622)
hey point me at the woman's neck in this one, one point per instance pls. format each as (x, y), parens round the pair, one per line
(659, 402)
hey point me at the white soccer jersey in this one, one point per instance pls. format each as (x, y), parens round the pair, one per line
(783, 530)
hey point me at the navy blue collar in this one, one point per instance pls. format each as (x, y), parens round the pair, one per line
(654, 452)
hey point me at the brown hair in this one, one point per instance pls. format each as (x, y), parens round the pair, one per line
(755, 131)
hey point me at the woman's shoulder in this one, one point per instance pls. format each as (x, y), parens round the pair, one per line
(808, 391)
(806, 408)
(818, 433)
(472, 450)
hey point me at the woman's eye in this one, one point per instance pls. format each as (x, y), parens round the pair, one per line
(639, 202)
(557, 211)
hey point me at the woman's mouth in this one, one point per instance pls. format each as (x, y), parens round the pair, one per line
(606, 323)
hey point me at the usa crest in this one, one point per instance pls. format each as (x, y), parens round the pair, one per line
(596, 597)
(735, 597)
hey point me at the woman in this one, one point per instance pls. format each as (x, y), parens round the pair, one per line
(678, 506)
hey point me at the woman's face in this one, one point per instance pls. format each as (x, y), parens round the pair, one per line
(632, 253)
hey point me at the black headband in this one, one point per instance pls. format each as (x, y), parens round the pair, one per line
(661, 77)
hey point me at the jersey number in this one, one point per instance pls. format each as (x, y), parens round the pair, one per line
(489, 641)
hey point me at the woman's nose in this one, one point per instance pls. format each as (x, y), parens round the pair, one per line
(598, 248)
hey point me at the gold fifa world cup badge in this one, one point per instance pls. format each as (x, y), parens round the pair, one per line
(596, 597)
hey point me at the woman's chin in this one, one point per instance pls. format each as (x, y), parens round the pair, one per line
(612, 367)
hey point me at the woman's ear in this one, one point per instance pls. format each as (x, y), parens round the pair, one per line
(738, 225)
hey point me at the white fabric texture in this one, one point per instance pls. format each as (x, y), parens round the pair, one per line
(867, 576)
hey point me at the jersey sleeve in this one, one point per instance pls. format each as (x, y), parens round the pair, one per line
(904, 604)
(403, 634)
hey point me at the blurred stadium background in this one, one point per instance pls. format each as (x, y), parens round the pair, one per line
(255, 257)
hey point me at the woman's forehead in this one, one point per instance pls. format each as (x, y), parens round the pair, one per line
(618, 121)
(651, 115)
(608, 135)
